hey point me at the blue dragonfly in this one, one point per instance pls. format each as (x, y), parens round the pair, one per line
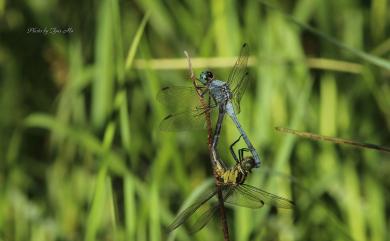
(225, 96)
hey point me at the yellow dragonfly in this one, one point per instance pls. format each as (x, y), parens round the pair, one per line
(234, 191)
(317, 137)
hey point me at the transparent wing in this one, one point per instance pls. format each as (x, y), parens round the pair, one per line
(183, 217)
(238, 76)
(204, 219)
(231, 195)
(241, 198)
(211, 211)
(204, 209)
(185, 109)
(179, 98)
(264, 197)
(183, 121)
(239, 92)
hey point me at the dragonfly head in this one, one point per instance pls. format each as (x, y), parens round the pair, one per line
(248, 163)
(206, 76)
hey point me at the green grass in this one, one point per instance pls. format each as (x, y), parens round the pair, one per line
(81, 154)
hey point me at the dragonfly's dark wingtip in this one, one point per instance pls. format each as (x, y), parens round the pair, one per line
(291, 204)
(165, 88)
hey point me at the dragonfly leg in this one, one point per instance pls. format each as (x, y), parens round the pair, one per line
(203, 93)
(241, 153)
(195, 84)
(198, 88)
(232, 150)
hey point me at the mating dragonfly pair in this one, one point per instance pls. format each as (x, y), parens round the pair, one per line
(225, 96)
(188, 114)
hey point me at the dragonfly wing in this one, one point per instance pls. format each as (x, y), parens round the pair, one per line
(211, 211)
(239, 92)
(264, 197)
(231, 195)
(204, 218)
(186, 110)
(183, 121)
(183, 217)
(238, 76)
(234, 195)
(178, 98)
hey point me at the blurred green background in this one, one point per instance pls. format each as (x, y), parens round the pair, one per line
(81, 156)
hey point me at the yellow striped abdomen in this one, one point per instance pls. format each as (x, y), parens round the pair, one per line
(232, 177)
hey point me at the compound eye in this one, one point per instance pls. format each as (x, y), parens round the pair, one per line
(209, 75)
